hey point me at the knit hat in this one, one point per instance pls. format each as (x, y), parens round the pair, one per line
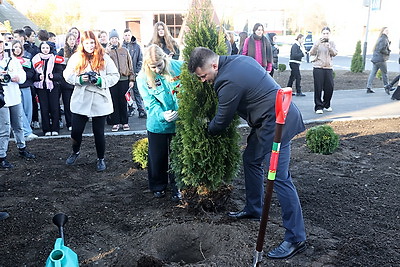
(113, 33)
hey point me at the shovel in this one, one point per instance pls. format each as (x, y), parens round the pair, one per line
(61, 256)
(282, 104)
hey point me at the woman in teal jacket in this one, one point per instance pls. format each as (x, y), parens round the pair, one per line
(159, 83)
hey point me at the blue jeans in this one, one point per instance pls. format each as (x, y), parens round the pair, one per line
(11, 117)
(26, 97)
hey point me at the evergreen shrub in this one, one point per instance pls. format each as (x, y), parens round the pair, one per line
(322, 139)
(357, 60)
(281, 67)
(140, 152)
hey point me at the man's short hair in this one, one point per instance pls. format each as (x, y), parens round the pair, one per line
(28, 32)
(20, 32)
(43, 35)
(199, 57)
(51, 34)
(127, 30)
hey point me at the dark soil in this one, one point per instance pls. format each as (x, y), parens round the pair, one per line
(350, 201)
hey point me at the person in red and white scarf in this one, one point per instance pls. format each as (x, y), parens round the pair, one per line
(47, 88)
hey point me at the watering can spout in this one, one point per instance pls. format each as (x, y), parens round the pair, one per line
(61, 255)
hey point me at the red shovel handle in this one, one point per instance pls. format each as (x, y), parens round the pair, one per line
(282, 104)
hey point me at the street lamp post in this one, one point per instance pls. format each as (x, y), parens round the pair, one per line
(367, 2)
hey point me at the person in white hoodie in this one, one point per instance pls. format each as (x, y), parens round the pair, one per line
(11, 75)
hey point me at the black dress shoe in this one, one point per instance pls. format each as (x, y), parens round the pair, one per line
(370, 91)
(4, 164)
(72, 158)
(159, 194)
(242, 215)
(287, 250)
(101, 165)
(300, 94)
(26, 154)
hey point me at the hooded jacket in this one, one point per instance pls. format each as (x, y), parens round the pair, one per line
(136, 54)
(123, 61)
(381, 51)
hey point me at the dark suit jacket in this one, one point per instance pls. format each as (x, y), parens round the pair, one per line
(245, 88)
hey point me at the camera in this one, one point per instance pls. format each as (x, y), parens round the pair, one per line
(92, 76)
(324, 40)
(7, 49)
(5, 78)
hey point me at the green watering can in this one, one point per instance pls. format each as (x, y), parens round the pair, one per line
(61, 256)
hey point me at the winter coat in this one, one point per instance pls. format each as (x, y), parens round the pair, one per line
(160, 99)
(123, 61)
(296, 53)
(136, 54)
(12, 94)
(26, 64)
(381, 51)
(323, 55)
(243, 87)
(88, 99)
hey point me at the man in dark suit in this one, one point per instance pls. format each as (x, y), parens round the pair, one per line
(245, 88)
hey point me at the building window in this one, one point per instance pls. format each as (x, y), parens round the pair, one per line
(173, 22)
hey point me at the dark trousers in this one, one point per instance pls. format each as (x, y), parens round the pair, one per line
(158, 161)
(78, 126)
(257, 152)
(66, 98)
(35, 106)
(323, 82)
(295, 76)
(49, 109)
(137, 97)
(120, 114)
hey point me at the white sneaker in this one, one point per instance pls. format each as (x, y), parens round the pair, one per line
(30, 137)
(329, 109)
(319, 111)
(47, 134)
(54, 133)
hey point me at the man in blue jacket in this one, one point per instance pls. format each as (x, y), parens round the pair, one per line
(244, 87)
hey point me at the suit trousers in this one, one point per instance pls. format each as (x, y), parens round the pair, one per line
(256, 153)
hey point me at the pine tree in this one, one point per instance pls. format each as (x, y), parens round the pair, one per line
(202, 162)
(357, 61)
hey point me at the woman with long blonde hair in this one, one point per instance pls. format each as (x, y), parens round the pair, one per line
(159, 84)
(163, 38)
(92, 72)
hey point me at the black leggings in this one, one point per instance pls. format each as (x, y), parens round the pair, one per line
(78, 126)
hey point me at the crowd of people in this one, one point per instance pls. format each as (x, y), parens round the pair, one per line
(93, 75)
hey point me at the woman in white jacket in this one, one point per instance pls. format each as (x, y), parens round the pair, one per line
(11, 114)
(92, 72)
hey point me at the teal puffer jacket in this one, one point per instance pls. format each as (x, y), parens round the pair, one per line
(160, 99)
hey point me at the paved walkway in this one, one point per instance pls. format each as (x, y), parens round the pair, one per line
(346, 105)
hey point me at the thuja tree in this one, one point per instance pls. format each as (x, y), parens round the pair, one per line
(357, 60)
(202, 162)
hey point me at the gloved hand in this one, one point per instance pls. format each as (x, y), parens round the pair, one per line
(170, 115)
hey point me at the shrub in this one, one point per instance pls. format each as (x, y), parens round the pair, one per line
(379, 74)
(282, 67)
(322, 139)
(140, 152)
(357, 60)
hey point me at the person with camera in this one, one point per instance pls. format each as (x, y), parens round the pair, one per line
(137, 60)
(159, 83)
(92, 73)
(47, 89)
(324, 50)
(123, 61)
(11, 111)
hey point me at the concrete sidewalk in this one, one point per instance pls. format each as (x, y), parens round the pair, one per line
(346, 105)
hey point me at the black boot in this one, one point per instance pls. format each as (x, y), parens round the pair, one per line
(25, 153)
(4, 164)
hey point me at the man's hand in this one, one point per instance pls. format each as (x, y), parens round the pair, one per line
(170, 115)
